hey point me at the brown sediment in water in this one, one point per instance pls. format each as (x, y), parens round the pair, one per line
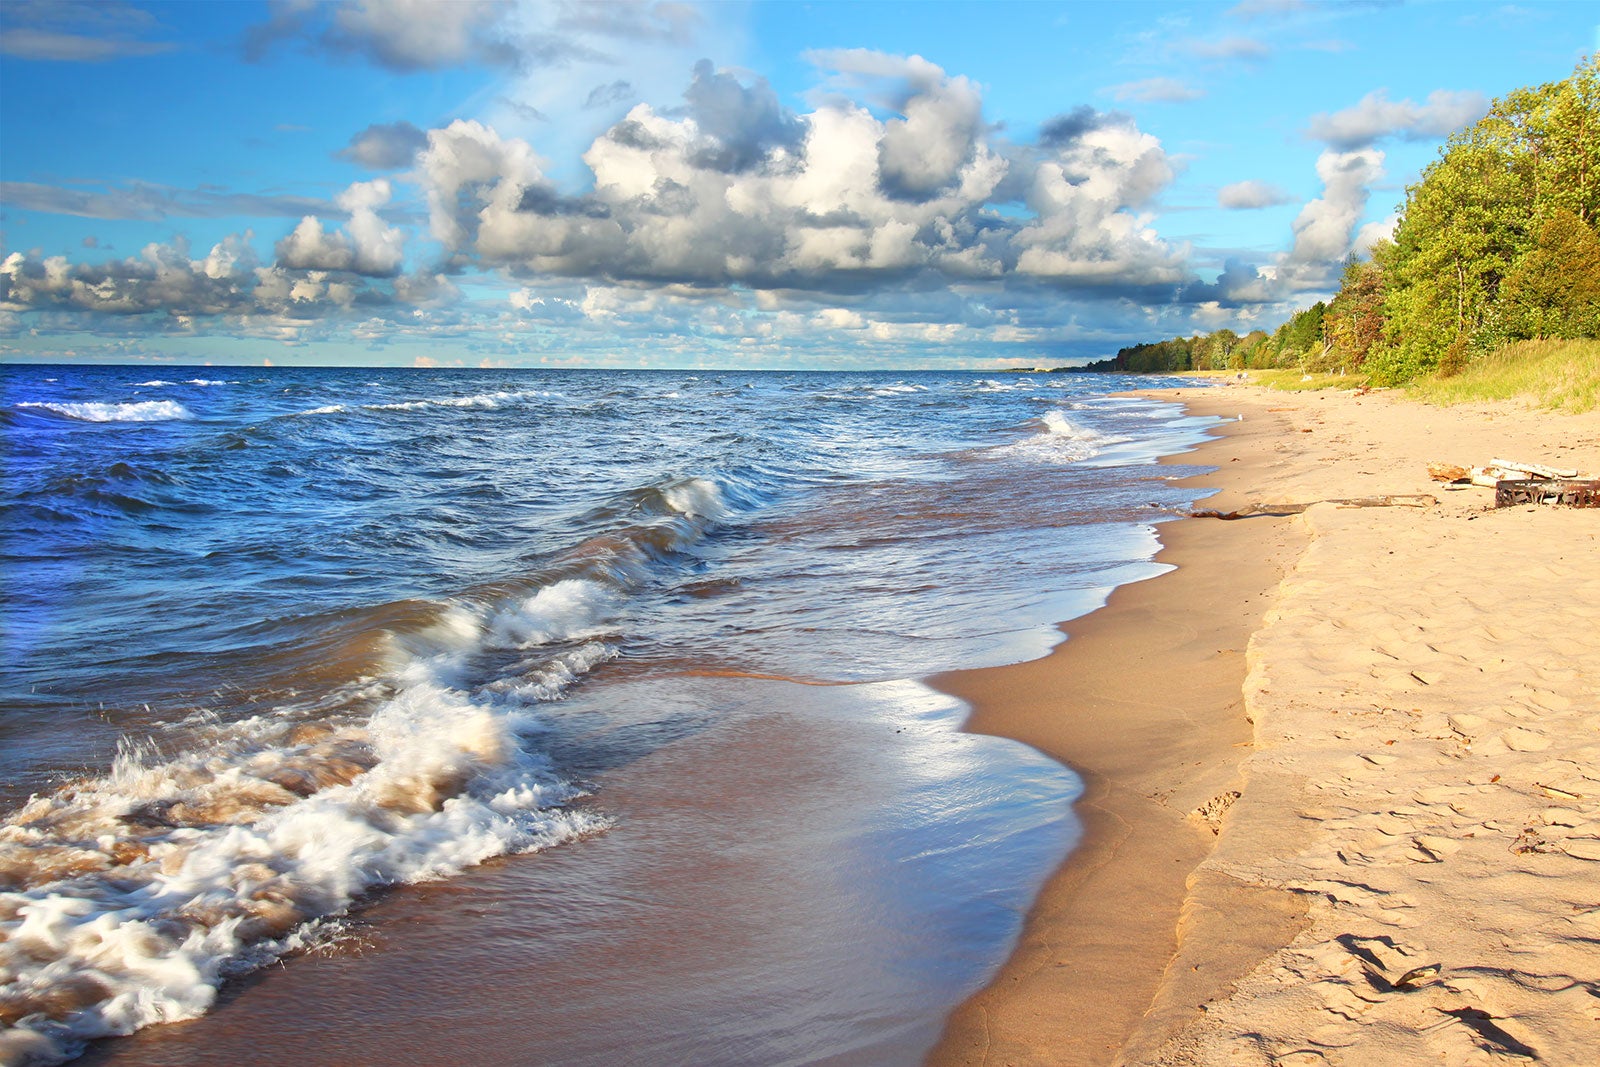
(1144, 701)
(741, 910)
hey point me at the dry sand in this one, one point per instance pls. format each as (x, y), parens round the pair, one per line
(1406, 701)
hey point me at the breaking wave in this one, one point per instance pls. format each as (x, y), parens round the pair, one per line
(212, 847)
(479, 400)
(140, 411)
(1057, 439)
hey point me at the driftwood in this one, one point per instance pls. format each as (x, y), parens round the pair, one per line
(1498, 471)
(1405, 500)
(1573, 494)
(1538, 470)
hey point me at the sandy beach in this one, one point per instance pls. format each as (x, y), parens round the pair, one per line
(1342, 766)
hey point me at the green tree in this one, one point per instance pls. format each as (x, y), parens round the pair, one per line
(1355, 316)
(1213, 351)
(1554, 290)
(1296, 342)
(1476, 213)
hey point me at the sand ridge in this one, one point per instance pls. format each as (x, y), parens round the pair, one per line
(1425, 694)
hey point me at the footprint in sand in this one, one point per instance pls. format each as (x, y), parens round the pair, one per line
(1582, 848)
(1520, 739)
(1431, 848)
(1565, 817)
(1547, 700)
(1442, 794)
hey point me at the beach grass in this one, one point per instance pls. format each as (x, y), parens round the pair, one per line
(1547, 375)
(1291, 380)
(1287, 380)
(1551, 375)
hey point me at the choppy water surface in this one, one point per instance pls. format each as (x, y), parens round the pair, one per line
(276, 640)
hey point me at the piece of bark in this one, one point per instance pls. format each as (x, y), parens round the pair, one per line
(1447, 472)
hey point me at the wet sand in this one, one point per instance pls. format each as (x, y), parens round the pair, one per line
(1405, 700)
(1144, 700)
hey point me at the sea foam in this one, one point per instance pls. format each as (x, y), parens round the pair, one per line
(139, 411)
(127, 899)
(157, 383)
(1057, 439)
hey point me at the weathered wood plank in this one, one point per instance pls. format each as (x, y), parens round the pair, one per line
(1538, 470)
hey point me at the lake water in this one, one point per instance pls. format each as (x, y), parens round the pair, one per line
(539, 716)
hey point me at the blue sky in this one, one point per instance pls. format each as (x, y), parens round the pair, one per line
(486, 183)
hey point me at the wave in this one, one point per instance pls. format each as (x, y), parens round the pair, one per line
(1058, 439)
(876, 390)
(479, 400)
(128, 898)
(484, 401)
(140, 411)
(158, 383)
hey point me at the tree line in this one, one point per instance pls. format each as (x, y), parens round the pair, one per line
(1498, 241)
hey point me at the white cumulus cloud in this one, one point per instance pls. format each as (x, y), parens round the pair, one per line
(735, 189)
(1376, 117)
(368, 246)
(1323, 228)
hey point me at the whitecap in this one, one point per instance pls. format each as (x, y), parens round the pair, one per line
(1058, 440)
(130, 898)
(479, 400)
(696, 498)
(141, 411)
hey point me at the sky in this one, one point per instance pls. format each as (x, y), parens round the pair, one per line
(510, 183)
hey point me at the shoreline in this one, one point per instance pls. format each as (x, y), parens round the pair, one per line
(1145, 766)
(1405, 702)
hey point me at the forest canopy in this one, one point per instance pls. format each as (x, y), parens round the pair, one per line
(1498, 241)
